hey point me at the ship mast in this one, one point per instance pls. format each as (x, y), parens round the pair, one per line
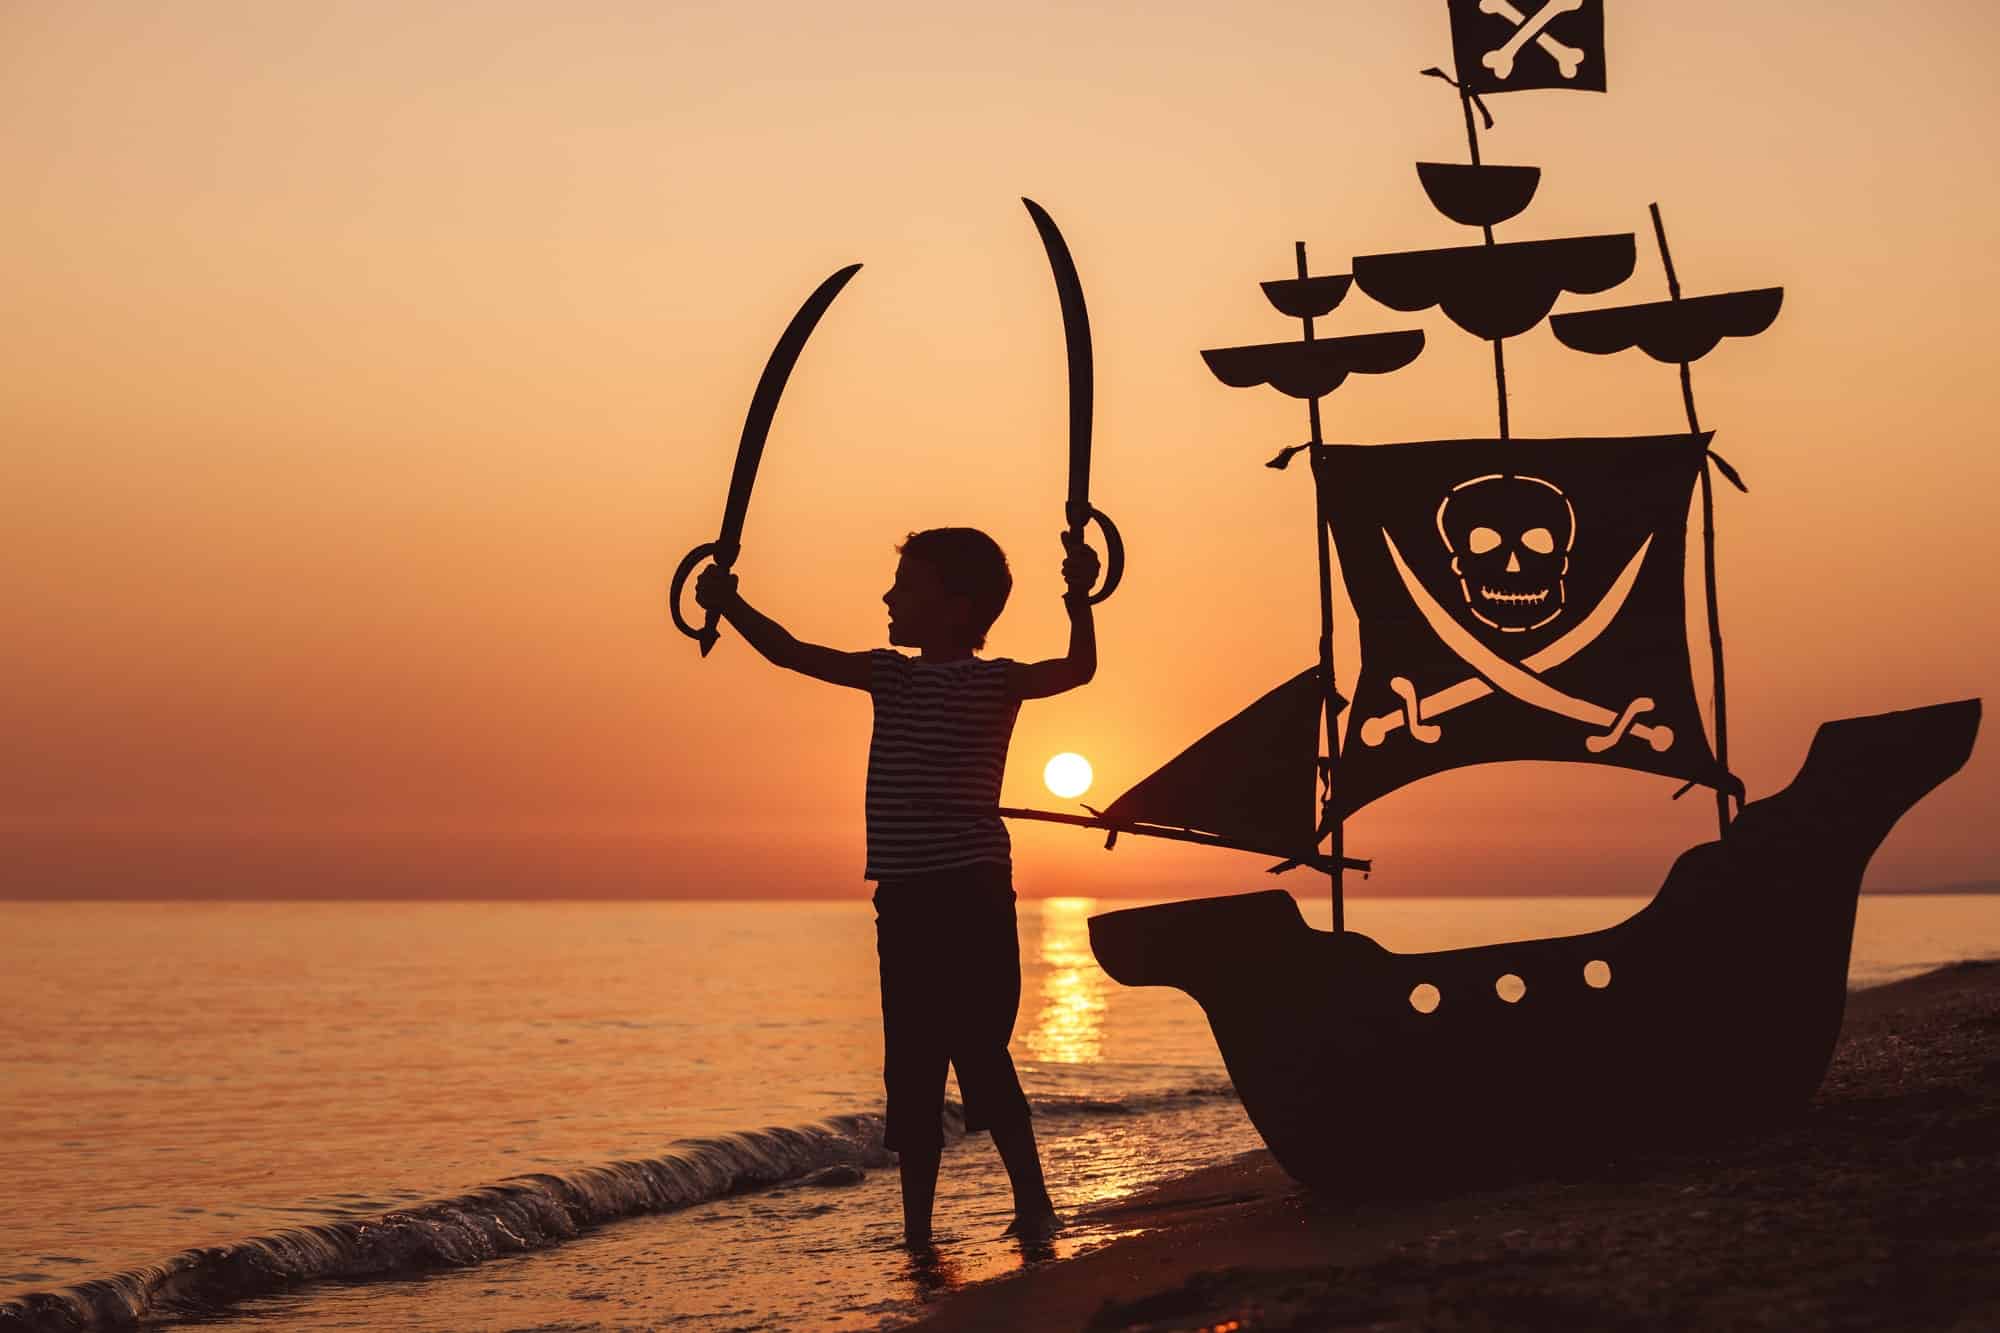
(1309, 369)
(1707, 543)
(1678, 332)
(1486, 230)
(1329, 813)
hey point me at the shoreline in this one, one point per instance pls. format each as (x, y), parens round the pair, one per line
(1879, 1208)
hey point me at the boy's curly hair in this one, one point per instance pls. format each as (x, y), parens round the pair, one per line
(969, 564)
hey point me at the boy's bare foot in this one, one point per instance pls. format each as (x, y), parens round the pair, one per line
(1035, 1225)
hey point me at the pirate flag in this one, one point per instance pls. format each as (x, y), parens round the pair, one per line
(1503, 46)
(1518, 599)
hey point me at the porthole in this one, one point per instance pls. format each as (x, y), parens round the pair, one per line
(1510, 988)
(1597, 974)
(1425, 998)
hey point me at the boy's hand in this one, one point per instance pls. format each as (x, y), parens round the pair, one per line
(715, 589)
(1079, 566)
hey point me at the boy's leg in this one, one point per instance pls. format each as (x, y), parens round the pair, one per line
(919, 1169)
(986, 1075)
(1034, 1211)
(913, 1057)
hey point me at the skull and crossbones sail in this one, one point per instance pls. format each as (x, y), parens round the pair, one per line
(1530, 613)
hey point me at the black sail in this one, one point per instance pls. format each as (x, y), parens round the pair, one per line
(1249, 782)
(1317, 366)
(1683, 329)
(1496, 291)
(1517, 599)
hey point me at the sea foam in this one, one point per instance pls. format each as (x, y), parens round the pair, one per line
(520, 1213)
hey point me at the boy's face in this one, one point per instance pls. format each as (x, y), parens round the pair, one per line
(921, 613)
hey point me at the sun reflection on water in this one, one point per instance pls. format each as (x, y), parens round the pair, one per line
(1069, 1018)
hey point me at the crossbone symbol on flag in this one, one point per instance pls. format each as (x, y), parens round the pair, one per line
(1492, 41)
(1501, 59)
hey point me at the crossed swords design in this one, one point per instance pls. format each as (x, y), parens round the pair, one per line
(1501, 60)
(1524, 679)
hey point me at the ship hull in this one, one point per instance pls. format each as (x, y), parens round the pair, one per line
(1715, 1008)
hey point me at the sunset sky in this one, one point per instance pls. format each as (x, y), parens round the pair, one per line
(370, 365)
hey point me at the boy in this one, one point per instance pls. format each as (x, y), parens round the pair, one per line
(940, 857)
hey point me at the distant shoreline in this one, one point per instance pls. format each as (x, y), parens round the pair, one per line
(1968, 888)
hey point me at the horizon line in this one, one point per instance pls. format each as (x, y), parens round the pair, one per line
(1966, 888)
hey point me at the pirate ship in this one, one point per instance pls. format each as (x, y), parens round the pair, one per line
(1517, 599)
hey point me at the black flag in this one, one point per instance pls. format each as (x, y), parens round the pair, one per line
(1518, 599)
(1503, 46)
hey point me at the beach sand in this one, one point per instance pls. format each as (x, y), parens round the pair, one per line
(1879, 1208)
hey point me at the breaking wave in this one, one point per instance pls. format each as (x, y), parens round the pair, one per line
(521, 1213)
(515, 1215)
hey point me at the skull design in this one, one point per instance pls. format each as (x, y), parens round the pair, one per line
(1510, 539)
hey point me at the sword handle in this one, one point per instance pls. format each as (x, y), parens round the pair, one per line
(1081, 515)
(707, 634)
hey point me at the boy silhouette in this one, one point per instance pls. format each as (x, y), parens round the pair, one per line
(937, 850)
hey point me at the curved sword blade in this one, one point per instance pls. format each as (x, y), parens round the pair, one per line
(1585, 631)
(1082, 384)
(764, 405)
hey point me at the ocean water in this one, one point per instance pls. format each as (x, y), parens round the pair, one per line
(507, 1080)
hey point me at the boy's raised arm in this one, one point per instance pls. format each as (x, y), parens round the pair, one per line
(715, 590)
(1038, 680)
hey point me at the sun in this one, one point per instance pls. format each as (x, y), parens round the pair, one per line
(1067, 774)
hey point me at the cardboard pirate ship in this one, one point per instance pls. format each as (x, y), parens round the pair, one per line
(1517, 599)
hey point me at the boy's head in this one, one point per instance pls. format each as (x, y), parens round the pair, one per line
(949, 589)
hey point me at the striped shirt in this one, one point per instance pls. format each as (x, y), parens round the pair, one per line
(934, 763)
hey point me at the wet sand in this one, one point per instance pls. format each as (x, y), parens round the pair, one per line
(1880, 1208)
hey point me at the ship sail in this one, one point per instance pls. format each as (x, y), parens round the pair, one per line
(1249, 782)
(1517, 600)
(1497, 291)
(1682, 329)
(1481, 195)
(1317, 367)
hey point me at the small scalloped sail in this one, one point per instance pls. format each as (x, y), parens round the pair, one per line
(1308, 298)
(1316, 368)
(1685, 329)
(1497, 291)
(1478, 195)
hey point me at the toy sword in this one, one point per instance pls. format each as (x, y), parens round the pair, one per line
(750, 451)
(1076, 332)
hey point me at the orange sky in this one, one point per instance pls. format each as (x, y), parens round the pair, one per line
(370, 366)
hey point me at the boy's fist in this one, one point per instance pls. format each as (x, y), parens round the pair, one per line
(714, 589)
(1079, 566)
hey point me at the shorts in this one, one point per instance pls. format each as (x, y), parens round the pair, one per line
(951, 988)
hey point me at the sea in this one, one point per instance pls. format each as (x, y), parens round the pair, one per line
(589, 1115)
